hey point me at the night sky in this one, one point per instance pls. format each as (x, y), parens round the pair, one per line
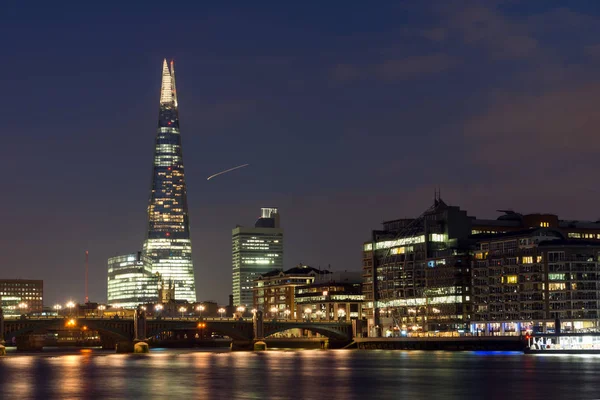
(350, 113)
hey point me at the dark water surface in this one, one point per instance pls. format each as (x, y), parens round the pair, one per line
(310, 374)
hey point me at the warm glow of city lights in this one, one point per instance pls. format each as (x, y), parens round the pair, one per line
(70, 304)
(221, 311)
(200, 308)
(158, 307)
(241, 309)
(71, 322)
(201, 325)
(254, 310)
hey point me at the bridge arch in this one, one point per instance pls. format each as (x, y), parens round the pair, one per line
(329, 332)
(22, 327)
(234, 331)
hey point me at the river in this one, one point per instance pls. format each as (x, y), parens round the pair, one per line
(308, 374)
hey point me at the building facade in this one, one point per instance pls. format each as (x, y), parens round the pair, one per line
(168, 242)
(131, 281)
(416, 272)
(255, 251)
(274, 291)
(21, 296)
(330, 300)
(533, 280)
(445, 271)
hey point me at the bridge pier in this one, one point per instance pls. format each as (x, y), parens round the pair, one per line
(259, 332)
(30, 343)
(139, 332)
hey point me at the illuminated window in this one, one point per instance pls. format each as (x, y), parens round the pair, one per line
(528, 260)
(544, 224)
(557, 286)
(510, 279)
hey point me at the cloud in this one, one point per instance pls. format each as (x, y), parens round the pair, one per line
(398, 69)
(559, 121)
(488, 27)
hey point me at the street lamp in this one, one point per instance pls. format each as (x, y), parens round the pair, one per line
(241, 310)
(70, 306)
(341, 313)
(254, 310)
(221, 311)
(182, 310)
(57, 307)
(101, 308)
(287, 313)
(200, 308)
(274, 311)
(23, 307)
(307, 311)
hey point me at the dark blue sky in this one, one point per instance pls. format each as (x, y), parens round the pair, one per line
(349, 114)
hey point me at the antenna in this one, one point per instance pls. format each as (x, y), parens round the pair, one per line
(87, 299)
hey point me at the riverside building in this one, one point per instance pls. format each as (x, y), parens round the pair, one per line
(274, 291)
(131, 281)
(433, 273)
(21, 296)
(255, 251)
(533, 280)
(330, 300)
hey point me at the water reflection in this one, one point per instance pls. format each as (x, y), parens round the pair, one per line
(312, 374)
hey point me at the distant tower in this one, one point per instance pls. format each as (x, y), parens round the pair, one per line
(255, 251)
(168, 242)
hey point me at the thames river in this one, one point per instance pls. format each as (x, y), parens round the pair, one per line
(308, 374)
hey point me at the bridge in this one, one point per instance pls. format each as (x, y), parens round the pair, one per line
(22, 331)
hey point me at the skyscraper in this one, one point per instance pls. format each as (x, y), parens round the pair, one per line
(255, 251)
(168, 242)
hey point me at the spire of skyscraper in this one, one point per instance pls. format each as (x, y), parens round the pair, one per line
(167, 88)
(168, 241)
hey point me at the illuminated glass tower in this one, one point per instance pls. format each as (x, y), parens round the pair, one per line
(255, 251)
(131, 281)
(168, 242)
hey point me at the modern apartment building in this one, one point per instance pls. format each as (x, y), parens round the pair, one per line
(429, 273)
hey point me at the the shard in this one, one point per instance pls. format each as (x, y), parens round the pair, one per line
(168, 243)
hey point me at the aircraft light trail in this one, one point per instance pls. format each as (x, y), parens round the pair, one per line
(226, 171)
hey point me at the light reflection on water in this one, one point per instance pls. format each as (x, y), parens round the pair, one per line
(314, 374)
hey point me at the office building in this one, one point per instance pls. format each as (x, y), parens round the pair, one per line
(255, 251)
(421, 274)
(21, 296)
(274, 291)
(416, 272)
(131, 281)
(168, 243)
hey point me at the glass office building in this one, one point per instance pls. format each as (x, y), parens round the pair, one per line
(168, 243)
(131, 281)
(255, 251)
